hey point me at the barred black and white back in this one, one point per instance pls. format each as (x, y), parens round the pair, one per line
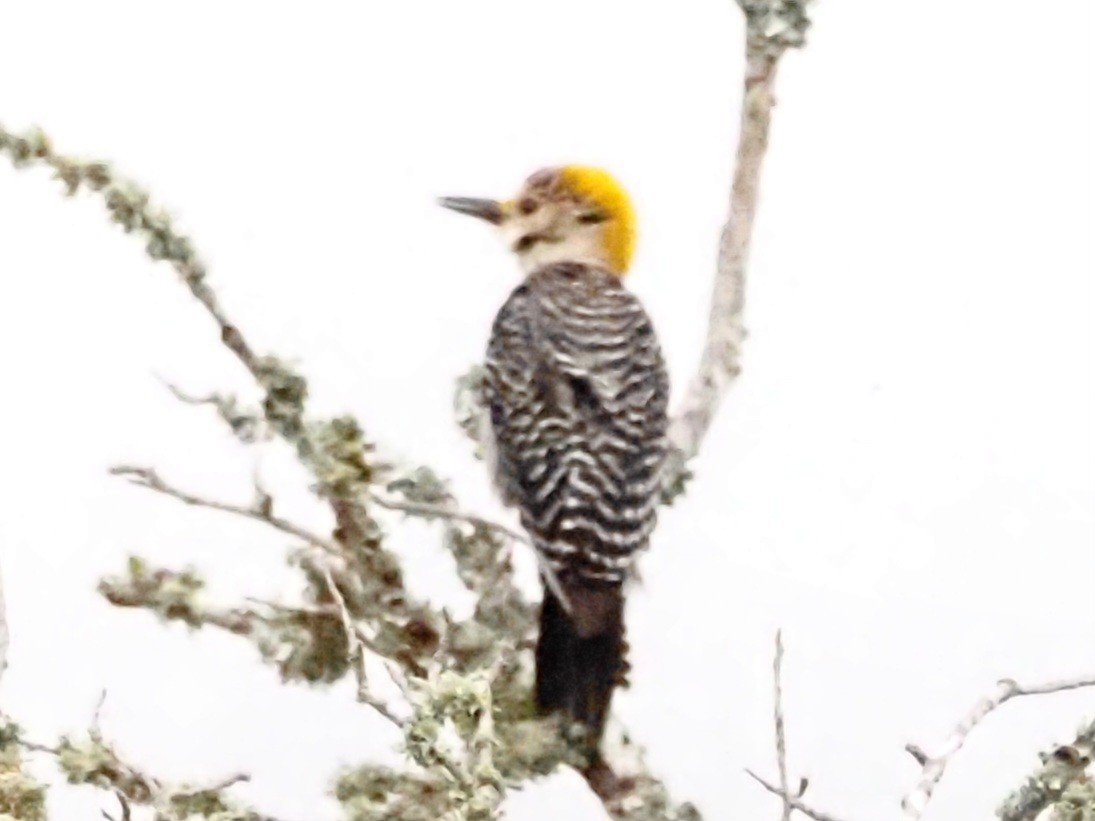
(578, 396)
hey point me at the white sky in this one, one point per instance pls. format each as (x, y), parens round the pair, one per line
(904, 478)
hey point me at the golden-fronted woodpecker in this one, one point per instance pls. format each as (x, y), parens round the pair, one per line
(578, 393)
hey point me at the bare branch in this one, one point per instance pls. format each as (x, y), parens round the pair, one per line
(260, 511)
(935, 765)
(919, 756)
(248, 425)
(791, 800)
(430, 511)
(355, 650)
(795, 802)
(94, 730)
(437, 511)
(772, 26)
(720, 362)
(1045, 787)
(127, 812)
(781, 736)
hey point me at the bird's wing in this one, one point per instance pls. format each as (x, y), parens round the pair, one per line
(578, 395)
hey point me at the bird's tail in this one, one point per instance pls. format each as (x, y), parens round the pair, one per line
(580, 654)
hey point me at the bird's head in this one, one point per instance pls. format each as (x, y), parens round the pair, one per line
(573, 213)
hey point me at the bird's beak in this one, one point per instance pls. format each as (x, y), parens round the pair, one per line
(489, 210)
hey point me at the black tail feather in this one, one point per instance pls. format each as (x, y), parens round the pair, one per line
(580, 655)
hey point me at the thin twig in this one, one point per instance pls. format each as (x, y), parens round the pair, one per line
(152, 791)
(427, 510)
(355, 651)
(127, 813)
(260, 511)
(35, 747)
(795, 802)
(223, 784)
(933, 766)
(94, 731)
(781, 736)
(247, 424)
(341, 610)
(784, 789)
(302, 609)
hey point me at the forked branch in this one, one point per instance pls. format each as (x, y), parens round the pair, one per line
(1024, 805)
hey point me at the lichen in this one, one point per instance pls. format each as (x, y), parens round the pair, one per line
(774, 26)
(1062, 768)
(22, 798)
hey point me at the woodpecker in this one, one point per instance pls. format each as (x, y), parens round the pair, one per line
(577, 392)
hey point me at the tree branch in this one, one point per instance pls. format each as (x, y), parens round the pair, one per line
(439, 511)
(1061, 768)
(772, 26)
(339, 458)
(781, 733)
(355, 651)
(1046, 786)
(791, 801)
(795, 803)
(95, 762)
(934, 766)
(261, 511)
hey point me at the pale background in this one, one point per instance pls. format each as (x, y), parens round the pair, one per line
(904, 478)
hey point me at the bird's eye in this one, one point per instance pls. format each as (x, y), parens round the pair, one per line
(592, 217)
(527, 206)
(525, 242)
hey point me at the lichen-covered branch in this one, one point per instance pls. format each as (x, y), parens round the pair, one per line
(247, 424)
(772, 27)
(470, 726)
(304, 643)
(1062, 781)
(312, 642)
(91, 760)
(95, 762)
(934, 764)
(356, 644)
(334, 450)
(21, 796)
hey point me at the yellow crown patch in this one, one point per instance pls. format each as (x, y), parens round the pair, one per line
(600, 188)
